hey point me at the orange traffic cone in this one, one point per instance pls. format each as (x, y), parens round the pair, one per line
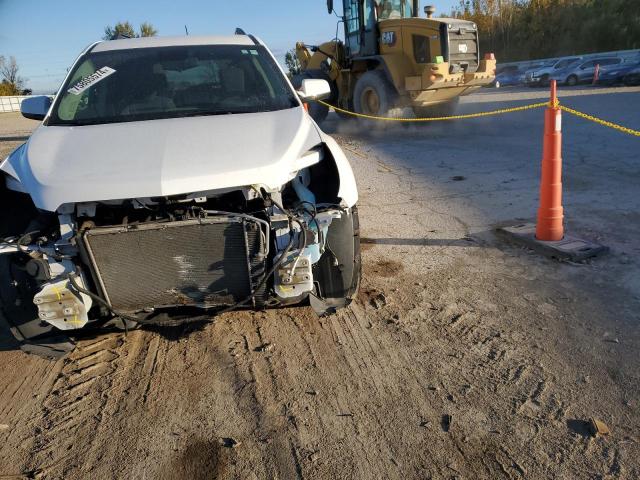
(550, 214)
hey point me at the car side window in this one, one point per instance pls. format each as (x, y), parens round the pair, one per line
(565, 63)
(72, 104)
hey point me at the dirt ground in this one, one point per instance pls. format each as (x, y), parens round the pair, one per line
(464, 357)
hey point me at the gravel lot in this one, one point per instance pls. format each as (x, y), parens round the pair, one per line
(464, 357)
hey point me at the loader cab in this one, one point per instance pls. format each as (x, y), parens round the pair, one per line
(361, 19)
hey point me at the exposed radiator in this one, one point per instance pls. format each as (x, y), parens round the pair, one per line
(210, 262)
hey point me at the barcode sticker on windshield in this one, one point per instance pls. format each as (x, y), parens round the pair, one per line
(90, 80)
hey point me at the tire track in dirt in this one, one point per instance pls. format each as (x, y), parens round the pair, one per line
(31, 381)
(72, 406)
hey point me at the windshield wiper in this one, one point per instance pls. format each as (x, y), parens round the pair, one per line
(83, 123)
(206, 113)
(163, 116)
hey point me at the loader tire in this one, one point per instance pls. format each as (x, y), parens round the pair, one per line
(374, 94)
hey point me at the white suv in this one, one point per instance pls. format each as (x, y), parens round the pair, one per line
(172, 179)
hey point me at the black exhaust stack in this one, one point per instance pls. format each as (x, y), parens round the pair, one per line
(429, 10)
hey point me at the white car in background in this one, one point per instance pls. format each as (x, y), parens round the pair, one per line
(172, 179)
(539, 76)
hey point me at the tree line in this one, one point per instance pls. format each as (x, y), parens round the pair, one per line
(10, 82)
(529, 29)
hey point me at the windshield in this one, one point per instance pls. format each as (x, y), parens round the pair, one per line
(565, 63)
(389, 9)
(169, 82)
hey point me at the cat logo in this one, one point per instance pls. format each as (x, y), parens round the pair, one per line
(463, 48)
(389, 38)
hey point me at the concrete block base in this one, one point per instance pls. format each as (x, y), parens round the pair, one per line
(569, 248)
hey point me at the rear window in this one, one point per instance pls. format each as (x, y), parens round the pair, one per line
(421, 49)
(604, 61)
(170, 82)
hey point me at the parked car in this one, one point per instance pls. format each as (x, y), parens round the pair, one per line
(584, 72)
(174, 178)
(632, 77)
(539, 76)
(622, 73)
(508, 76)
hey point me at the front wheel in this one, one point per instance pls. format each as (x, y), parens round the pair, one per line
(545, 81)
(572, 81)
(339, 270)
(631, 80)
(374, 95)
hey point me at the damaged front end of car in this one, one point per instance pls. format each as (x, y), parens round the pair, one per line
(171, 259)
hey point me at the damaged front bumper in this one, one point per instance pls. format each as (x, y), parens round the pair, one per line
(187, 262)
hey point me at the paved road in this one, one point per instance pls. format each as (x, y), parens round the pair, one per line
(463, 358)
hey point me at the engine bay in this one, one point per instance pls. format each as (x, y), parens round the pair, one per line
(163, 259)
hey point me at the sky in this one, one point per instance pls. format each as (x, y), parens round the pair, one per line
(46, 36)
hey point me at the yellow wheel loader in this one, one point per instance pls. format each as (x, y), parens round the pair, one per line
(391, 58)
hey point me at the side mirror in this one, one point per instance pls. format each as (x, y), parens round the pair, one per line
(35, 108)
(330, 6)
(314, 89)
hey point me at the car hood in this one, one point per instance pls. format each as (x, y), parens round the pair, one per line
(61, 165)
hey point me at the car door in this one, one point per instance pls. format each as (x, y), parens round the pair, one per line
(586, 70)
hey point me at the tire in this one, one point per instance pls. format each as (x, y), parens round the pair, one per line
(440, 110)
(346, 116)
(544, 81)
(374, 94)
(317, 111)
(572, 81)
(349, 108)
(631, 80)
(339, 270)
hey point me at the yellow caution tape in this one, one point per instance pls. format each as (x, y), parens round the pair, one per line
(438, 119)
(501, 111)
(605, 123)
